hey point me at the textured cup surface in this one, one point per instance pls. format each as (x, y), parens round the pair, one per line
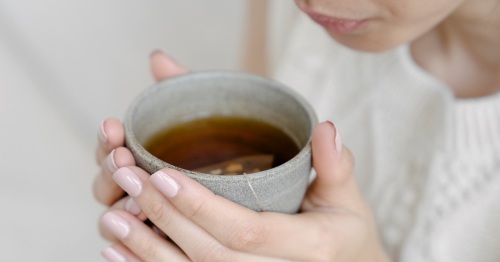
(221, 93)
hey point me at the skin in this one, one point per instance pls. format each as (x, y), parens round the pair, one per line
(210, 228)
(454, 40)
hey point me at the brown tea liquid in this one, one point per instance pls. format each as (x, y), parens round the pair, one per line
(223, 145)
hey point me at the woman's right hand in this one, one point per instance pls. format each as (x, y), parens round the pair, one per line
(111, 152)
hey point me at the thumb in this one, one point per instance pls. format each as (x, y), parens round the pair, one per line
(335, 184)
(163, 66)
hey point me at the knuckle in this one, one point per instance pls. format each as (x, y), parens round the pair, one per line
(104, 192)
(326, 244)
(200, 208)
(248, 237)
(100, 195)
(158, 212)
(101, 199)
(196, 208)
(149, 252)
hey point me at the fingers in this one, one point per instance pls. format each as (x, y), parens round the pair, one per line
(163, 66)
(194, 240)
(191, 238)
(335, 184)
(111, 135)
(105, 189)
(235, 226)
(127, 204)
(201, 205)
(140, 239)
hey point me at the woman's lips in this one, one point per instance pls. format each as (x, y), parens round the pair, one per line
(339, 25)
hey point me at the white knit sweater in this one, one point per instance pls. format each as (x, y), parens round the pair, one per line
(429, 164)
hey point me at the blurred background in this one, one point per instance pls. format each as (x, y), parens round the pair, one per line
(64, 67)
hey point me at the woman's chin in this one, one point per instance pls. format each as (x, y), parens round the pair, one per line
(366, 44)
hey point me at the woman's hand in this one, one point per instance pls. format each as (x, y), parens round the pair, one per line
(335, 223)
(111, 153)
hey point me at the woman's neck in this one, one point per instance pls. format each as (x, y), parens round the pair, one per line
(464, 50)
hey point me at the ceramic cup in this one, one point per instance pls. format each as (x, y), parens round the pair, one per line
(221, 93)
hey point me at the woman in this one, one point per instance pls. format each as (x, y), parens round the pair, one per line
(413, 87)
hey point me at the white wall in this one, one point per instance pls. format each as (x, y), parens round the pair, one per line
(64, 66)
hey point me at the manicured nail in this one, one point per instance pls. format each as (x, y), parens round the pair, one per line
(101, 133)
(165, 183)
(111, 162)
(112, 255)
(156, 51)
(132, 207)
(128, 181)
(116, 224)
(337, 139)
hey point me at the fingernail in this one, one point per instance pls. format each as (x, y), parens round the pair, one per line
(111, 162)
(337, 139)
(132, 207)
(128, 181)
(165, 183)
(101, 133)
(113, 255)
(156, 51)
(116, 224)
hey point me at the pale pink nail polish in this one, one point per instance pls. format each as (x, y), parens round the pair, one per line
(165, 183)
(102, 133)
(337, 139)
(112, 255)
(116, 224)
(132, 207)
(128, 181)
(110, 161)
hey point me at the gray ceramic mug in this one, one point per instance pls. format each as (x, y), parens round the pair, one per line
(226, 93)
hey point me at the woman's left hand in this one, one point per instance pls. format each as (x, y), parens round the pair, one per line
(335, 223)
